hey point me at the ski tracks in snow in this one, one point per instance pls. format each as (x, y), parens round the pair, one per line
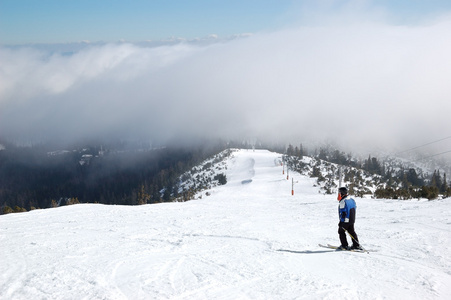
(245, 241)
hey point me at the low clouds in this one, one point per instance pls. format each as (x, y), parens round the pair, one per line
(362, 83)
(28, 73)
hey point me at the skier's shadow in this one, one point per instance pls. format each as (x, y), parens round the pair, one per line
(305, 251)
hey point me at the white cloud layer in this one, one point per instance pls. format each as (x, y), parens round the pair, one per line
(364, 83)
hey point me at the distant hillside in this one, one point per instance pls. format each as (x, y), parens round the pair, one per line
(390, 178)
(33, 178)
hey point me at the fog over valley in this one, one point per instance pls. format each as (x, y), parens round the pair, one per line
(364, 83)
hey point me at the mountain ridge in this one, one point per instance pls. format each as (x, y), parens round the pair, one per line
(152, 175)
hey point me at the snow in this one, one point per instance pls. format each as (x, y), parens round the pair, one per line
(250, 239)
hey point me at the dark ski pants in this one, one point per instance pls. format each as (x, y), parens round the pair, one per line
(350, 228)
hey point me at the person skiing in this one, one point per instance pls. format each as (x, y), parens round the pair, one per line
(346, 212)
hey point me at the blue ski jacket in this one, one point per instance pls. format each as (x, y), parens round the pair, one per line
(346, 210)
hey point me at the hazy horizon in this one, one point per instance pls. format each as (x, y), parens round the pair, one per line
(352, 76)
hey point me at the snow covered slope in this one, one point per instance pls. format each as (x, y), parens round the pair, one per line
(251, 239)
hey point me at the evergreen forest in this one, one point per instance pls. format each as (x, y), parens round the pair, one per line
(33, 177)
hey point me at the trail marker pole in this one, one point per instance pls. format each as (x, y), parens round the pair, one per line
(283, 165)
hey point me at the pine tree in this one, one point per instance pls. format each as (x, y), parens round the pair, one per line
(290, 150)
(412, 177)
(19, 209)
(143, 197)
(405, 182)
(376, 167)
(444, 187)
(368, 166)
(296, 151)
(438, 180)
(7, 210)
(322, 154)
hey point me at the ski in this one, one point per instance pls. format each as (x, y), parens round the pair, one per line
(350, 250)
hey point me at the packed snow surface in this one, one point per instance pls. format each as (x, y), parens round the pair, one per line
(250, 239)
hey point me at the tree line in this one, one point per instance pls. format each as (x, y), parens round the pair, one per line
(31, 178)
(391, 179)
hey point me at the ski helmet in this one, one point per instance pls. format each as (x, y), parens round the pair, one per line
(343, 191)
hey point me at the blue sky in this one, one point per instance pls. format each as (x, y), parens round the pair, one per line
(60, 21)
(25, 21)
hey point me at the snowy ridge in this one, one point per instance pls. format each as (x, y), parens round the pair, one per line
(408, 180)
(205, 175)
(250, 239)
(326, 175)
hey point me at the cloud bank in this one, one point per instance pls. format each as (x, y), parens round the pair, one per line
(363, 84)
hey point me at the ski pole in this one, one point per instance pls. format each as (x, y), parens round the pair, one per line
(355, 240)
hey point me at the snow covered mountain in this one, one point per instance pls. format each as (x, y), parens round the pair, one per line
(250, 238)
(400, 180)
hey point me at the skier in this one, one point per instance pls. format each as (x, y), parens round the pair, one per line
(346, 212)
